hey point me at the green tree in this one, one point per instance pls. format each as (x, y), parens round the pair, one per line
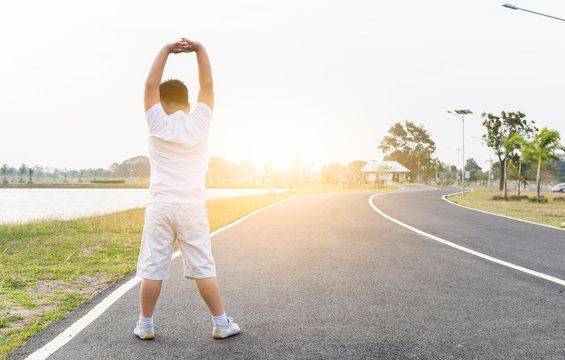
(30, 172)
(4, 170)
(354, 169)
(22, 171)
(500, 129)
(544, 146)
(472, 164)
(515, 143)
(439, 168)
(426, 165)
(412, 147)
(519, 162)
(38, 170)
(81, 174)
(476, 175)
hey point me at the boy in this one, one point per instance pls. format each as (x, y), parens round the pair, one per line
(179, 160)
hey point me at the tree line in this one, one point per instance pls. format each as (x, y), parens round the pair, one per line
(517, 143)
(137, 167)
(298, 173)
(220, 171)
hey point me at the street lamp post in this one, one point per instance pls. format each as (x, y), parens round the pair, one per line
(456, 176)
(461, 115)
(514, 7)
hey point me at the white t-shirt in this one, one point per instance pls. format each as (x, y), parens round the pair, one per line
(178, 154)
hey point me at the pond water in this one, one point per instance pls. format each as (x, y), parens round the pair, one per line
(25, 205)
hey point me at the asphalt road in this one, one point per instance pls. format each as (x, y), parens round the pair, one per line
(326, 277)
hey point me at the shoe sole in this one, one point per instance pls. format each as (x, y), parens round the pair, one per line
(146, 337)
(218, 336)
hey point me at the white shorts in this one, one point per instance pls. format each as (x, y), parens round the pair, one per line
(187, 223)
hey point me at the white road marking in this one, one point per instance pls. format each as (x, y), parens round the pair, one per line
(467, 250)
(69, 333)
(445, 197)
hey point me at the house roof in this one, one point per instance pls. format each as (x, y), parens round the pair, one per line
(384, 167)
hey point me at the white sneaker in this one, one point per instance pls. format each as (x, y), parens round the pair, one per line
(144, 332)
(224, 331)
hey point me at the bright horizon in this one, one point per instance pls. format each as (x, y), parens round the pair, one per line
(322, 81)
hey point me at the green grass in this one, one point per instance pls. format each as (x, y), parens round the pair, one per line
(551, 213)
(48, 268)
(5, 322)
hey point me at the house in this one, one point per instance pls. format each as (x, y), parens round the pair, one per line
(386, 172)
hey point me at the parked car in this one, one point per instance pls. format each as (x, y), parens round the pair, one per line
(558, 188)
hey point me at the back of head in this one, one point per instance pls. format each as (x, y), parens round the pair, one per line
(173, 93)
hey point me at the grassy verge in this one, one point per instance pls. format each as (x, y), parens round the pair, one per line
(551, 213)
(48, 268)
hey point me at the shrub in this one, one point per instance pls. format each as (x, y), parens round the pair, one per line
(114, 181)
(518, 198)
(498, 197)
(445, 182)
(542, 200)
(560, 198)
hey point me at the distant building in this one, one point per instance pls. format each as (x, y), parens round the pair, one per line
(387, 172)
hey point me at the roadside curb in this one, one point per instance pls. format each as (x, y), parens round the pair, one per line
(445, 197)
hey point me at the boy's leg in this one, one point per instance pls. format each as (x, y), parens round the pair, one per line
(148, 295)
(210, 292)
(153, 264)
(193, 236)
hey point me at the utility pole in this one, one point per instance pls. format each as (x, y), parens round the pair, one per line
(461, 115)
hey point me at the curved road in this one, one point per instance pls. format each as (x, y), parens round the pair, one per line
(326, 277)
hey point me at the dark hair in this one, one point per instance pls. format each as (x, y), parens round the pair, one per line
(173, 92)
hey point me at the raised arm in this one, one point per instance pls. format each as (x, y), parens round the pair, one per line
(206, 93)
(151, 94)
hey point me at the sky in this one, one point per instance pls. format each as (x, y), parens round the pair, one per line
(322, 81)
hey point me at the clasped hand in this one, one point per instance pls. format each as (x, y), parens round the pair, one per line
(184, 46)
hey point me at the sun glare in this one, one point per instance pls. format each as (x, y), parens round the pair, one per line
(276, 150)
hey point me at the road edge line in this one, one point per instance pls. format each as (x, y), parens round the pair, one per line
(464, 249)
(75, 328)
(445, 197)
